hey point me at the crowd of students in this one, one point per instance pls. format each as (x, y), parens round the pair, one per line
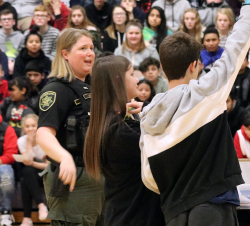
(133, 29)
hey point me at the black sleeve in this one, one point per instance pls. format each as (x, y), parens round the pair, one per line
(107, 43)
(4, 63)
(19, 67)
(55, 102)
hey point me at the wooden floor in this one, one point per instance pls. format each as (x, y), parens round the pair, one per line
(18, 215)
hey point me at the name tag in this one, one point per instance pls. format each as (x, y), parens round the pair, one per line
(87, 96)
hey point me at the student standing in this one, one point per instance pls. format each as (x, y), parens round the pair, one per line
(114, 151)
(188, 155)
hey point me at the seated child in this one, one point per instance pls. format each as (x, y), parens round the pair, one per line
(188, 154)
(242, 83)
(150, 68)
(31, 181)
(8, 147)
(235, 112)
(213, 51)
(4, 92)
(23, 100)
(242, 138)
(145, 91)
(35, 71)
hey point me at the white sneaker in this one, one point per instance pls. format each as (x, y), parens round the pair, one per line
(7, 220)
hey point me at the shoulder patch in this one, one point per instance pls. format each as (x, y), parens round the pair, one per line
(47, 100)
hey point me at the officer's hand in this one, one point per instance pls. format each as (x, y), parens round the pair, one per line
(68, 171)
(136, 105)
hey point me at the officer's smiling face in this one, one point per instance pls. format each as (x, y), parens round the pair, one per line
(81, 57)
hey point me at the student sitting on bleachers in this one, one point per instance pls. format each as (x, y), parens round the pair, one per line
(191, 24)
(156, 29)
(134, 48)
(150, 68)
(11, 42)
(114, 35)
(145, 91)
(31, 51)
(213, 51)
(35, 71)
(208, 11)
(224, 23)
(31, 181)
(242, 138)
(8, 147)
(49, 34)
(78, 19)
(22, 101)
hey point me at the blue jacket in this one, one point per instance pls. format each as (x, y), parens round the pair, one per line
(210, 57)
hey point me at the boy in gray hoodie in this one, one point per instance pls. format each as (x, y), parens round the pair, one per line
(11, 41)
(188, 155)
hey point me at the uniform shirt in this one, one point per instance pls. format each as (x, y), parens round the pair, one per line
(57, 102)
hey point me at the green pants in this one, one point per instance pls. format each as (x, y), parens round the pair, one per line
(81, 207)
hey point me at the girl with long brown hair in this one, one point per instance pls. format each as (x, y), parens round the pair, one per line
(191, 24)
(78, 19)
(112, 146)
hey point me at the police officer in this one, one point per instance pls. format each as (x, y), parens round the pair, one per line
(64, 105)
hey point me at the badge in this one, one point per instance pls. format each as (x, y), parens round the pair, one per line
(47, 100)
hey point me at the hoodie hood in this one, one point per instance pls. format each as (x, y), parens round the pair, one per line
(24, 54)
(157, 115)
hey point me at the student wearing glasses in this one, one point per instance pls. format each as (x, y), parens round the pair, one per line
(49, 34)
(114, 35)
(11, 42)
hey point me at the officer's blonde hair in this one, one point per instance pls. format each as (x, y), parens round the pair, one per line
(67, 39)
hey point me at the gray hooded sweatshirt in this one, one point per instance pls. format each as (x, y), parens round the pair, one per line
(137, 57)
(187, 151)
(11, 44)
(208, 12)
(173, 11)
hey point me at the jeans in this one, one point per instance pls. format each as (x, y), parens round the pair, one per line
(7, 188)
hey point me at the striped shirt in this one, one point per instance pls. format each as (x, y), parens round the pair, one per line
(224, 39)
(49, 42)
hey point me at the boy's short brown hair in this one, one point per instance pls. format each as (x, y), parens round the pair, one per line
(177, 52)
(41, 8)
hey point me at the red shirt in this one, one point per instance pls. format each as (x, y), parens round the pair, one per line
(61, 20)
(4, 92)
(9, 145)
(237, 143)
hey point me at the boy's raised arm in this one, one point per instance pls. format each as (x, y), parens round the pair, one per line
(218, 83)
